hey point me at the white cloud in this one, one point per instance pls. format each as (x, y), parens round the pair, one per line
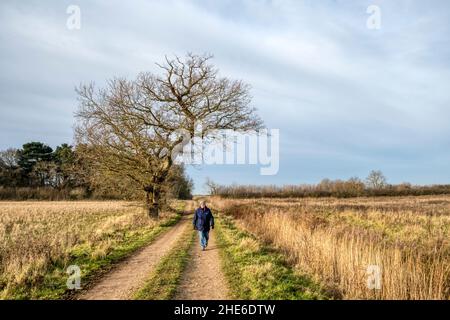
(317, 72)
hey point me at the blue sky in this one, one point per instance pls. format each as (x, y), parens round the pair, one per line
(347, 99)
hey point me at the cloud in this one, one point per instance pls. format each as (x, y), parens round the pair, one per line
(342, 95)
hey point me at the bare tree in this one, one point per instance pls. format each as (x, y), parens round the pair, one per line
(212, 187)
(10, 174)
(130, 124)
(376, 180)
(9, 157)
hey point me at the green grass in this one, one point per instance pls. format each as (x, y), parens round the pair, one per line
(257, 272)
(163, 282)
(53, 285)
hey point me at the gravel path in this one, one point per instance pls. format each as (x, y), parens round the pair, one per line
(203, 278)
(130, 275)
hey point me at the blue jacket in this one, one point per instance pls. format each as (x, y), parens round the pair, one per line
(203, 219)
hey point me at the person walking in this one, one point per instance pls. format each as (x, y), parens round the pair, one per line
(203, 222)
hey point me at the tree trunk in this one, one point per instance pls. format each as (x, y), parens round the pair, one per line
(153, 211)
(152, 201)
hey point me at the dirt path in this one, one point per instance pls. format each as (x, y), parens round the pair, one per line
(130, 275)
(203, 278)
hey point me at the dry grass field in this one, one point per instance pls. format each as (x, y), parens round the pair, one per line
(337, 240)
(38, 240)
(332, 242)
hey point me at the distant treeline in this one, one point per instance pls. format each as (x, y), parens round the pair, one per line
(37, 172)
(375, 185)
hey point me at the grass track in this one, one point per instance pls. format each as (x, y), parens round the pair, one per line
(256, 271)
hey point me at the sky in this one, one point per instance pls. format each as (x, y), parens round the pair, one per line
(346, 98)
